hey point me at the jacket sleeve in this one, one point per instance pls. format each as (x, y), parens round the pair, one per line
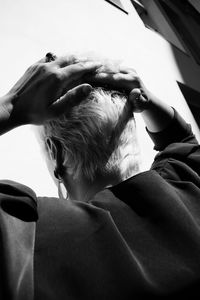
(179, 156)
(18, 211)
(177, 131)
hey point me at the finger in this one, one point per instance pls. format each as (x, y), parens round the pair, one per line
(105, 80)
(127, 70)
(45, 59)
(100, 78)
(79, 69)
(64, 61)
(69, 100)
(67, 60)
(117, 81)
(73, 75)
(138, 100)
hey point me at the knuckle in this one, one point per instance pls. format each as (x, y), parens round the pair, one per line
(118, 76)
(135, 78)
(81, 64)
(40, 68)
(44, 68)
(55, 76)
(73, 59)
(58, 76)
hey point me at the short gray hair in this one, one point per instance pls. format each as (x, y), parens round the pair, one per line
(93, 133)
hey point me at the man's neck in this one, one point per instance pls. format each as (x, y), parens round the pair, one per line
(80, 189)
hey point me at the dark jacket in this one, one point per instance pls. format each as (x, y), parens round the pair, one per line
(138, 239)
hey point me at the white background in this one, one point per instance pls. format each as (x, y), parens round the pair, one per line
(29, 29)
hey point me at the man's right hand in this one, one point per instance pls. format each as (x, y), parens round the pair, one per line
(46, 90)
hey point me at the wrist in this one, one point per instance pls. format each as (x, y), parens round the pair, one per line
(6, 107)
(158, 115)
(140, 100)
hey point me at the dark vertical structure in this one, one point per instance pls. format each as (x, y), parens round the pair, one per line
(118, 4)
(179, 23)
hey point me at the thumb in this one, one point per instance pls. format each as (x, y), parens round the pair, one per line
(138, 100)
(72, 98)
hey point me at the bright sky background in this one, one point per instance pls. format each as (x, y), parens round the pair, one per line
(31, 28)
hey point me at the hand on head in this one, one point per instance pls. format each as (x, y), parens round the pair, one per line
(47, 89)
(123, 79)
(54, 85)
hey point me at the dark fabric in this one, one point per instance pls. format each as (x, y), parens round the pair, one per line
(141, 238)
(138, 239)
(177, 130)
(18, 210)
(18, 200)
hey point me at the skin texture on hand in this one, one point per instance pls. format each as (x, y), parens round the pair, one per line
(156, 114)
(123, 79)
(45, 91)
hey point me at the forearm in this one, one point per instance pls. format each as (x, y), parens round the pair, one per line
(6, 124)
(158, 115)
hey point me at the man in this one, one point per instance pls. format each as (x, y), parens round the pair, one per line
(31, 101)
(124, 234)
(121, 234)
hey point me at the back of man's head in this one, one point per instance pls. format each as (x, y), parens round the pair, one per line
(97, 135)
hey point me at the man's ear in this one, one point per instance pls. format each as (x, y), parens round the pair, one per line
(51, 148)
(56, 153)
